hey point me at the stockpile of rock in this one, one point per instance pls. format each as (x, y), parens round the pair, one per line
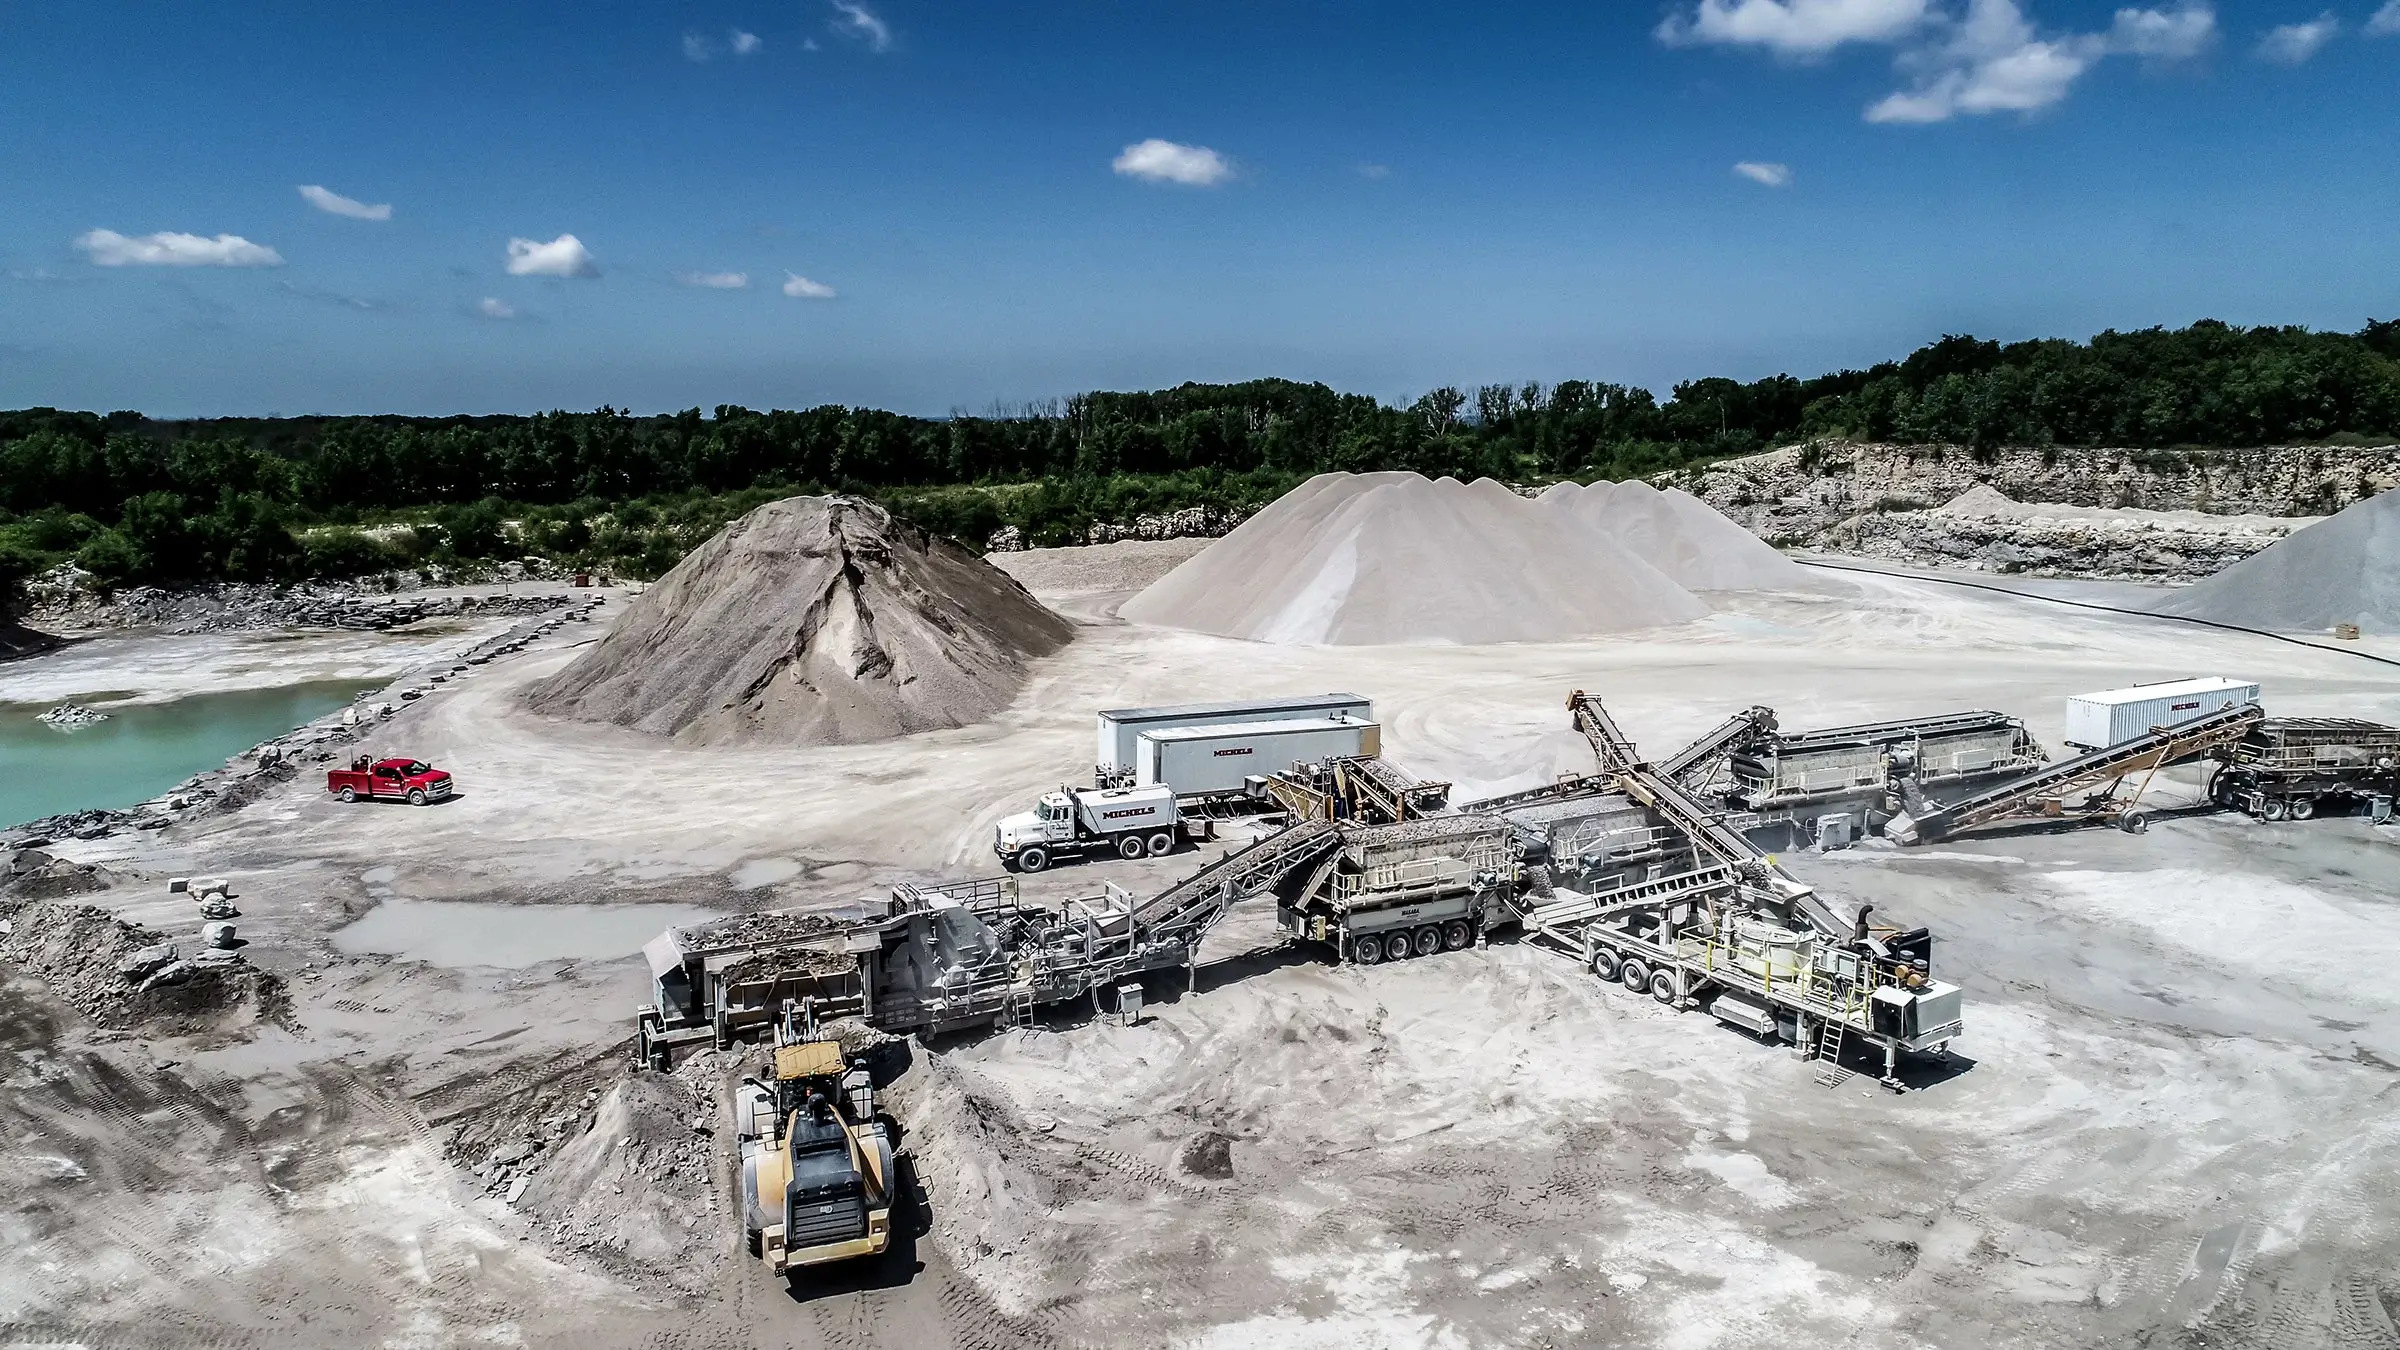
(812, 620)
(68, 716)
(2345, 570)
(119, 975)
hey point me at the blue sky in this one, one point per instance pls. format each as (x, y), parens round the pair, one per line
(987, 202)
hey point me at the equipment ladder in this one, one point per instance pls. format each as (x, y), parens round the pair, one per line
(1832, 1034)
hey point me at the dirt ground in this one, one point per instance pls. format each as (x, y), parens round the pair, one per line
(2172, 1122)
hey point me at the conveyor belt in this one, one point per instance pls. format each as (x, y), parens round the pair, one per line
(1188, 908)
(1750, 722)
(2155, 749)
(1903, 729)
(1566, 789)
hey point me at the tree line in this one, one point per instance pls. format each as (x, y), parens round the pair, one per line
(140, 500)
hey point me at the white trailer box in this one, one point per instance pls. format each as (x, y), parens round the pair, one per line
(2115, 716)
(1201, 761)
(1114, 759)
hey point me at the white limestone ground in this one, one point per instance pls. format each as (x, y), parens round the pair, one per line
(2167, 1130)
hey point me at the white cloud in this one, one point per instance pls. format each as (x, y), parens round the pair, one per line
(1160, 161)
(1379, 172)
(107, 248)
(1773, 175)
(1993, 61)
(2386, 21)
(857, 21)
(801, 288)
(695, 47)
(747, 44)
(564, 256)
(491, 308)
(1798, 28)
(715, 281)
(2293, 44)
(334, 203)
(2177, 34)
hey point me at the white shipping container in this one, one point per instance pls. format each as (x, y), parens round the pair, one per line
(1120, 729)
(2115, 716)
(1199, 761)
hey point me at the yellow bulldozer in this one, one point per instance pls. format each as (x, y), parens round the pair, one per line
(817, 1178)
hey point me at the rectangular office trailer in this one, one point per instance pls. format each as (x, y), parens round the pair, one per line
(1120, 729)
(1213, 761)
(2114, 716)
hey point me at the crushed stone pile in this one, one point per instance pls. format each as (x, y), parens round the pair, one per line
(1682, 536)
(635, 1187)
(1396, 558)
(122, 976)
(812, 620)
(2343, 569)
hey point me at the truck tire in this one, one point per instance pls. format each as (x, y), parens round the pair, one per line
(1032, 859)
(2302, 808)
(2273, 810)
(1457, 935)
(1663, 987)
(1162, 843)
(1635, 973)
(349, 794)
(2134, 822)
(1129, 847)
(1604, 964)
(1367, 950)
(416, 796)
(1428, 940)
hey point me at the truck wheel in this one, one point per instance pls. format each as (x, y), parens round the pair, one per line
(2274, 809)
(1366, 951)
(1458, 935)
(416, 796)
(1428, 940)
(1635, 973)
(1662, 987)
(1032, 860)
(2134, 822)
(349, 794)
(2303, 807)
(1129, 847)
(1162, 843)
(1604, 964)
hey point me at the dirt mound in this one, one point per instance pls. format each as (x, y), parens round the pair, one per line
(635, 1188)
(1684, 537)
(1347, 559)
(811, 620)
(119, 975)
(28, 874)
(2343, 569)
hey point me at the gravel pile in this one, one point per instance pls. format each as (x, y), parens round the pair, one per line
(2344, 569)
(1348, 559)
(812, 620)
(120, 975)
(1682, 536)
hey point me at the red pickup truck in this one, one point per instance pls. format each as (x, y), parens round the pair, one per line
(411, 780)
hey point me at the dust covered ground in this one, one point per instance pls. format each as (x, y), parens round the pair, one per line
(2173, 1120)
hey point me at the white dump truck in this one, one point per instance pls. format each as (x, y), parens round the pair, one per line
(1132, 822)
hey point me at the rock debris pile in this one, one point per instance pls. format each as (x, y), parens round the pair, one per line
(245, 607)
(2344, 569)
(122, 976)
(68, 716)
(1348, 559)
(812, 620)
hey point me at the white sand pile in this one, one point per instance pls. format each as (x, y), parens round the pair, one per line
(812, 619)
(1682, 536)
(2343, 569)
(1348, 559)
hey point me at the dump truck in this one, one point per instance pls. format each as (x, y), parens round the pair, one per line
(817, 1174)
(1131, 822)
(410, 780)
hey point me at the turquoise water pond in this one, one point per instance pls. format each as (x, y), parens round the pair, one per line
(144, 749)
